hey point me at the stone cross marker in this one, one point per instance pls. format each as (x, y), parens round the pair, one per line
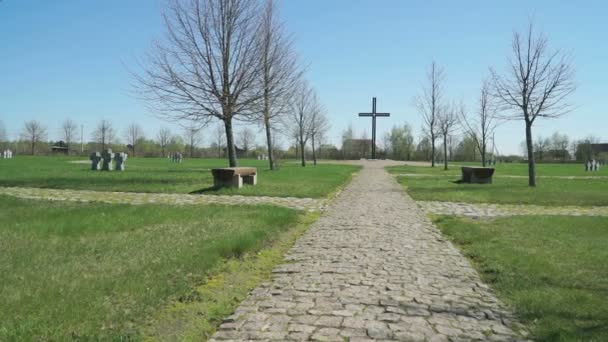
(107, 156)
(373, 114)
(120, 159)
(95, 160)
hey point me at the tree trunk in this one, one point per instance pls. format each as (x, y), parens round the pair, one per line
(531, 164)
(483, 155)
(302, 152)
(269, 143)
(432, 150)
(445, 152)
(314, 155)
(230, 143)
(33, 147)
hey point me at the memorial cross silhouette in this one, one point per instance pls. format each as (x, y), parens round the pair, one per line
(373, 114)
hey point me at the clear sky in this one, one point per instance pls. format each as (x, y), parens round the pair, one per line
(69, 58)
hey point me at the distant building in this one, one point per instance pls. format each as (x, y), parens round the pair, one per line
(599, 148)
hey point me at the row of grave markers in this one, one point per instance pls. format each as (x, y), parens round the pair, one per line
(7, 154)
(105, 160)
(592, 165)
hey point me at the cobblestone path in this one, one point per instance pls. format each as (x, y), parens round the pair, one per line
(155, 198)
(495, 210)
(373, 267)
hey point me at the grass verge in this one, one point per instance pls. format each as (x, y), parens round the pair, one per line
(97, 271)
(551, 192)
(552, 270)
(196, 316)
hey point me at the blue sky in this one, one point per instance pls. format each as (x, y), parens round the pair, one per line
(69, 58)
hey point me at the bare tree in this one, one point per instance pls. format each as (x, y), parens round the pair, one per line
(133, 134)
(447, 121)
(208, 66)
(69, 131)
(163, 137)
(192, 134)
(536, 85)
(304, 103)
(33, 132)
(104, 134)
(319, 125)
(247, 138)
(219, 137)
(429, 103)
(279, 72)
(482, 125)
(560, 143)
(3, 135)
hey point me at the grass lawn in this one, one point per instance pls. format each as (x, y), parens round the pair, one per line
(549, 191)
(552, 270)
(97, 271)
(161, 176)
(440, 186)
(505, 169)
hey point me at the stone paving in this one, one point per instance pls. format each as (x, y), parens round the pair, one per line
(308, 204)
(485, 210)
(373, 267)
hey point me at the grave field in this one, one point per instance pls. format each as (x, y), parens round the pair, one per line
(100, 271)
(510, 185)
(158, 175)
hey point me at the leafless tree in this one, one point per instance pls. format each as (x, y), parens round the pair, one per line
(208, 66)
(163, 137)
(319, 125)
(560, 143)
(33, 132)
(482, 125)
(3, 135)
(279, 72)
(536, 85)
(219, 138)
(247, 138)
(134, 134)
(447, 120)
(304, 104)
(192, 134)
(104, 134)
(69, 131)
(429, 102)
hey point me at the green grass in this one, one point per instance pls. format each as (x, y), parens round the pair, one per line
(552, 270)
(97, 271)
(549, 191)
(505, 169)
(440, 186)
(160, 176)
(217, 297)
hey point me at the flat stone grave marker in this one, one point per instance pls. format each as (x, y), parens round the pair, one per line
(234, 176)
(477, 175)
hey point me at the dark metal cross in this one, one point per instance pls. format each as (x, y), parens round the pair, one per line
(373, 114)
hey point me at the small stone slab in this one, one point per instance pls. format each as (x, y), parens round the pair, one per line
(234, 176)
(477, 175)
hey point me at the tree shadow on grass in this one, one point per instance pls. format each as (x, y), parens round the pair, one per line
(210, 189)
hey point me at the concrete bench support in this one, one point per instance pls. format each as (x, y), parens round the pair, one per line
(234, 177)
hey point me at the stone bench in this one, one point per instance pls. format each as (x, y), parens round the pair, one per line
(234, 176)
(477, 175)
